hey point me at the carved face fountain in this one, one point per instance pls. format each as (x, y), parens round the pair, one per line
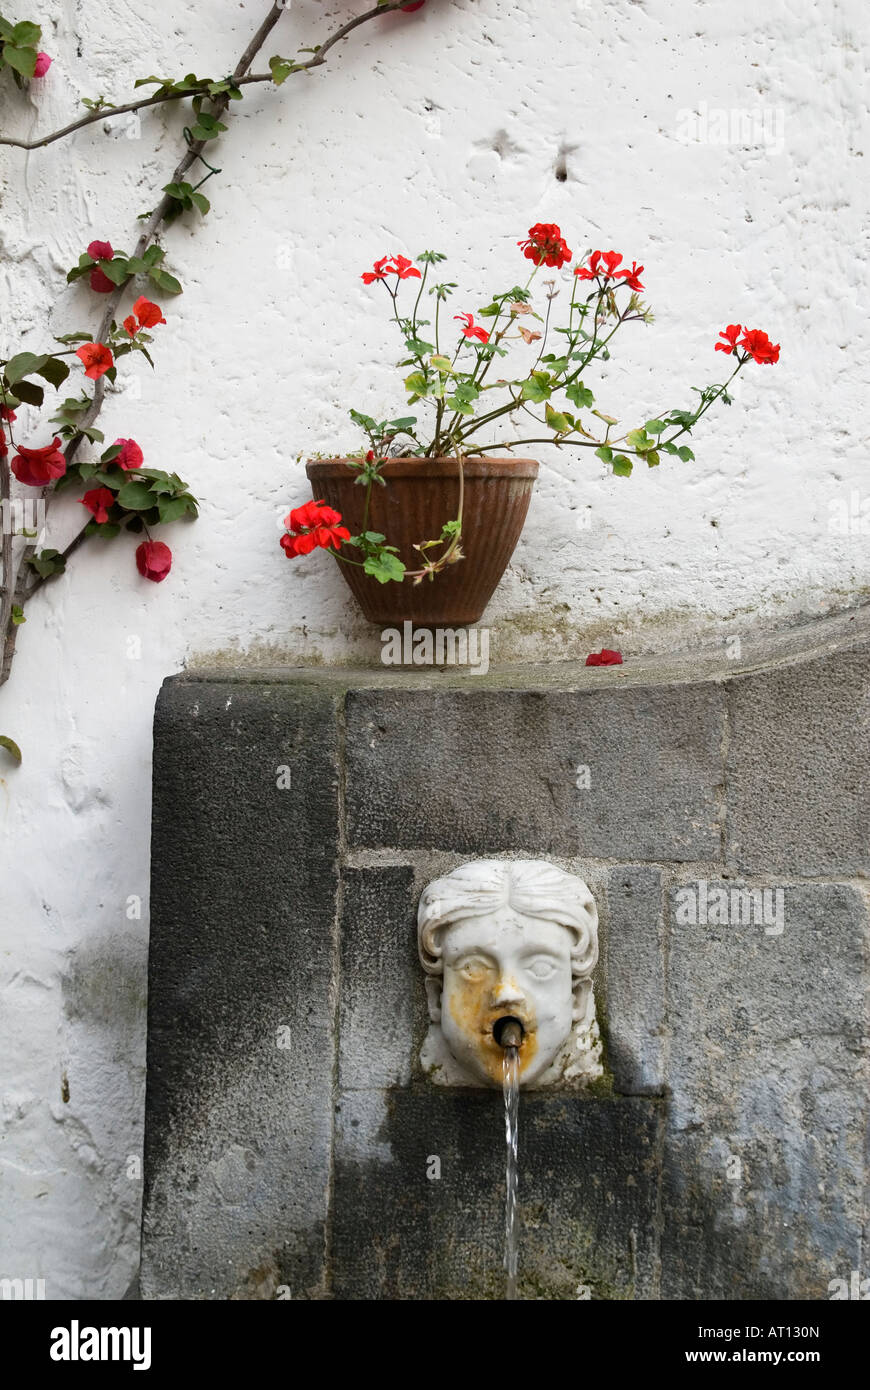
(509, 939)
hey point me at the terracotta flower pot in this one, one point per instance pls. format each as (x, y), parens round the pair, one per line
(421, 494)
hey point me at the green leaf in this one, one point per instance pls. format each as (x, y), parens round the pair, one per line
(202, 203)
(29, 392)
(164, 280)
(280, 69)
(11, 747)
(579, 395)
(537, 387)
(557, 420)
(26, 35)
(655, 426)
(18, 615)
(638, 439)
(417, 383)
(652, 458)
(136, 497)
(75, 338)
(117, 270)
(23, 60)
(107, 531)
(605, 452)
(172, 508)
(47, 563)
(384, 567)
(622, 466)
(54, 371)
(22, 364)
(685, 453)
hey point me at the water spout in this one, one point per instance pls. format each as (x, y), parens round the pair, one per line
(508, 1032)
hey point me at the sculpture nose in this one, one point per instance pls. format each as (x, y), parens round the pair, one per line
(507, 991)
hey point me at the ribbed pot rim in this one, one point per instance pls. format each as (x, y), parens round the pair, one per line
(485, 466)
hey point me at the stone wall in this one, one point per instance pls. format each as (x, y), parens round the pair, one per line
(290, 1131)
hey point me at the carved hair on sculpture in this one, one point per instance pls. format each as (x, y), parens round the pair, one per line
(509, 939)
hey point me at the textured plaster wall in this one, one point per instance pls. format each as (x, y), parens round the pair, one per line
(454, 128)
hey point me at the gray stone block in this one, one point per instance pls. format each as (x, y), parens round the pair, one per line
(587, 1196)
(238, 1121)
(763, 1162)
(382, 997)
(799, 769)
(484, 770)
(634, 1003)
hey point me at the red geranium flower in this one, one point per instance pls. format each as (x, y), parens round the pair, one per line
(545, 245)
(131, 325)
(95, 358)
(38, 467)
(415, 5)
(7, 413)
(730, 334)
(759, 346)
(131, 455)
(153, 560)
(405, 269)
(472, 329)
(98, 501)
(43, 63)
(100, 251)
(380, 271)
(603, 264)
(605, 657)
(311, 525)
(390, 265)
(149, 315)
(632, 277)
(4, 447)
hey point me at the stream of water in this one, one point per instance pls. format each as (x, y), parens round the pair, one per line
(511, 1085)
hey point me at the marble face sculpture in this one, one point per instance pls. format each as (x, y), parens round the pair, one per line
(505, 939)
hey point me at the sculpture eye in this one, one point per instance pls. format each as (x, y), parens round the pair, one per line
(541, 968)
(473, 967)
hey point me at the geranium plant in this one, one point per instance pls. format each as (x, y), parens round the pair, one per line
(514, 373)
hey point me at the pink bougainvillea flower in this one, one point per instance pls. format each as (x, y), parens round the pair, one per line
(153, 560)
(98, 501)
(95, 358)
(311, 525)
(472, 329)
(605, 657)
(43, 63)
(759, 346)
(131, 455)
(545, 245)
(100, 281)
(632, 277)
(39, 467)
(100, 251)
(148, 314)
(730, 334)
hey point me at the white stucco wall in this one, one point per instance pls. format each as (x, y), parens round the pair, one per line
(445, 129)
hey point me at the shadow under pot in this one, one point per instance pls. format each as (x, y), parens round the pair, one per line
(420, 496)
